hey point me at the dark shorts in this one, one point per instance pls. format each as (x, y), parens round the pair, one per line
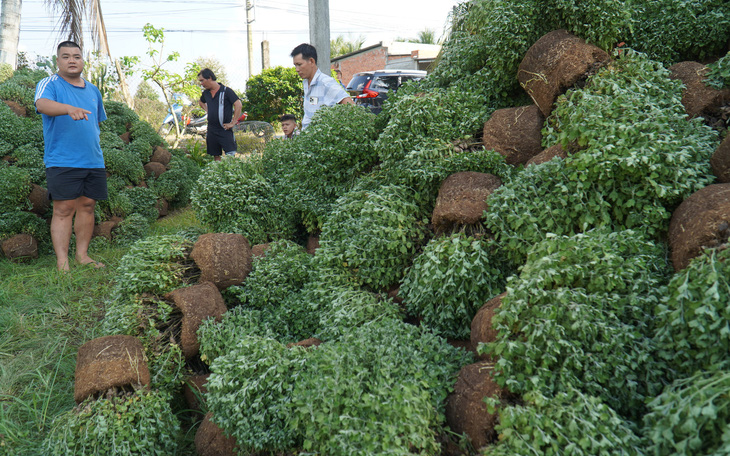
(71, 183)
(219, 141)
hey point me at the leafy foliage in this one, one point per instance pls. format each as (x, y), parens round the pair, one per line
(450, 280)
(567, 423)
(138, 424)
(579, 316)
(373, 235)
(249, 392)
(693, 318)
(30, 158)
(283, 270)
(14, 188)
(274, 92)
(380, 389)
(690, 416)
(638, 158)
(347, 309)
(677, 30)
(119, 117)
(719, 74)
(121, 161)
(176, 184)
(233, 196)
(16, 222)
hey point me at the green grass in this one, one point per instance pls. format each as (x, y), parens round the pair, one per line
(45, 316)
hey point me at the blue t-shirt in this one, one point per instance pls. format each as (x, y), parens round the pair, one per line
(324, 91)
(72, 143)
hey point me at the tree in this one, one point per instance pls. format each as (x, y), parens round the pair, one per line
(340, 46)
(425, 36)
(215, 66)
(274, 92)
(9, 30)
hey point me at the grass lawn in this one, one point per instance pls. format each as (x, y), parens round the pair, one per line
(45, 316)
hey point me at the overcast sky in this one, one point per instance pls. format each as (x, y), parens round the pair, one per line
(217, 28)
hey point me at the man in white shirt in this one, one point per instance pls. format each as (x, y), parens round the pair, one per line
(319, 88)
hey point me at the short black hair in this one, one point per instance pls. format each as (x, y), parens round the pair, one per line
(307, 50)
(66, 44)
(207, 73)
(287, 117)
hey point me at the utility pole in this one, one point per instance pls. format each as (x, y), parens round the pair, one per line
(249, 31)
(319, 32)
(265, 60)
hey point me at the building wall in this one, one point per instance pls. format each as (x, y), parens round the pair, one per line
(374, 59)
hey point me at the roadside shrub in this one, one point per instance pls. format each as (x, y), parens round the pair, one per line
(392, 382)
(693, 318)
(579, 316)
(568, 423)
(249, 391)
(373, 234)
(141, 423)
(274, 92)
(450, 280)
(690, 417)
(232, 196)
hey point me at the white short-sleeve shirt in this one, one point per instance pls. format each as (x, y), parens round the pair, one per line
(323, 91)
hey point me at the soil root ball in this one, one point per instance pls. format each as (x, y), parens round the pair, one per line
(701, 221)
(555, 63)
(224, 259)
(108, 362)
(515, 133)
(196, 303)
(462, 200)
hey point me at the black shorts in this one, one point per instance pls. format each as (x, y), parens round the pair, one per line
(219, 141)
(71, 183)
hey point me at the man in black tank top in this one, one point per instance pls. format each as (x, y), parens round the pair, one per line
(223, 108)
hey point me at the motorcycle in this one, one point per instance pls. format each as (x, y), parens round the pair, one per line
(188, 125)
(192, 125)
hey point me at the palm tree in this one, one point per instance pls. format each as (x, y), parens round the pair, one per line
(339, 46)
(9, 31)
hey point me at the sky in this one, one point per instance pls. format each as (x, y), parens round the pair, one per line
(217, 28)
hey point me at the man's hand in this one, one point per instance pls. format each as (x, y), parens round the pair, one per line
(78, 113)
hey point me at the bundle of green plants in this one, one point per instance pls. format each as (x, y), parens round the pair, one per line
(373, 235)
(635, 156)
(177, 182)
(283, 270)
(30, 158)
(445, 114)
(18, 131)
(12, 91)
(569, 422)
(690, 417)
(348, 308)
(217, 337)
(143, 131)
(140, 423)
(249, 391)
(6, 71)
(379, 389)
(119, 117)
(579, 316)
(156, 265)
(693, 317)
(15, 186)
(676, 30)
(233, 196)
(121, 161)
(719, 74)
(324, 161)
(275, 91)
(132, 228)
(431, 161)
(450, 280)
(14, 222)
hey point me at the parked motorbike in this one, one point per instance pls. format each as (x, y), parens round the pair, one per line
(188, 125)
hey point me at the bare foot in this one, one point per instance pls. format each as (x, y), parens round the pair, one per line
(87, 260)
(62, 266)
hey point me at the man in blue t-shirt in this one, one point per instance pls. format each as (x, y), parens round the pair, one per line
(223, 108)
(71, 109)
(319, 89)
